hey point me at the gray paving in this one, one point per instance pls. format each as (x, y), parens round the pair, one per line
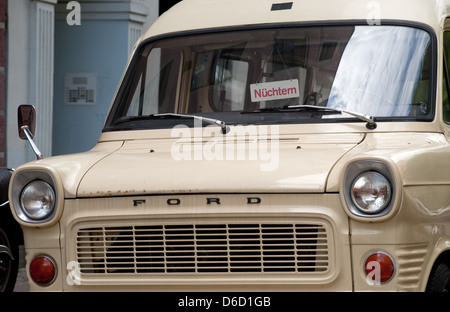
(22, 280)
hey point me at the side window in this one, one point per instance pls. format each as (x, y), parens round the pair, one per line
(445, 79)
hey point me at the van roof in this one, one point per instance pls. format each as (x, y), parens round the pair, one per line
(204, 14)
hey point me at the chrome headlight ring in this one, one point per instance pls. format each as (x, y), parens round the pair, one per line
(369, 189)
(33, 196)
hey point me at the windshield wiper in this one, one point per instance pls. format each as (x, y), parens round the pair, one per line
(369, 119)
(371, 125)
(211, 121)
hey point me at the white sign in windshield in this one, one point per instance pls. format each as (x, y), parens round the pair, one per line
(275, 90)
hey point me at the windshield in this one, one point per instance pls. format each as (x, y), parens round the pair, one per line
(241, 77)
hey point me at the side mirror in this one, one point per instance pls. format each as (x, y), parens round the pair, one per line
(26, 120)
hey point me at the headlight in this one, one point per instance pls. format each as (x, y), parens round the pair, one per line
(38, 200)
(36, 196)
(371, 192)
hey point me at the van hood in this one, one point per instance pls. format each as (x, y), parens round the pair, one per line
(157, 166)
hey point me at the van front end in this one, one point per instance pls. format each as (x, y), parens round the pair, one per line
(298, 147)
(314, 239)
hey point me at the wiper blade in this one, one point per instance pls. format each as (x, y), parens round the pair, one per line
(211, 121)
(216, 122)
(369, 119)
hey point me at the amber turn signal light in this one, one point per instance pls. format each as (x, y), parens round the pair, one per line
(379, 268)
(43, 270)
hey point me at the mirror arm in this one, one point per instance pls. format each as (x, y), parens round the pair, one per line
(29, 135)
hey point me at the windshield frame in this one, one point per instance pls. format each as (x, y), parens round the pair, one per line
(133, 67)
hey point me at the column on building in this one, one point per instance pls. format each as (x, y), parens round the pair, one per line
(42, 19)
(29, 73)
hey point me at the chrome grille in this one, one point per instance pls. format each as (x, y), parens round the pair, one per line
(203, 248)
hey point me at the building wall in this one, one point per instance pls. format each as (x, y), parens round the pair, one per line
(29, 74)
(96, 50)
(42, 48)
(85, 51)
(17, 73)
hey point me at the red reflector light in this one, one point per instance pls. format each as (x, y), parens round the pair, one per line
(379, 268)
(43, 270)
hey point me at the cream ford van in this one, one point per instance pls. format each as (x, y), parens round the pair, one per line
(258, 145)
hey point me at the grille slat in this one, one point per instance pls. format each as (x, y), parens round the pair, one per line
(204, 248)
